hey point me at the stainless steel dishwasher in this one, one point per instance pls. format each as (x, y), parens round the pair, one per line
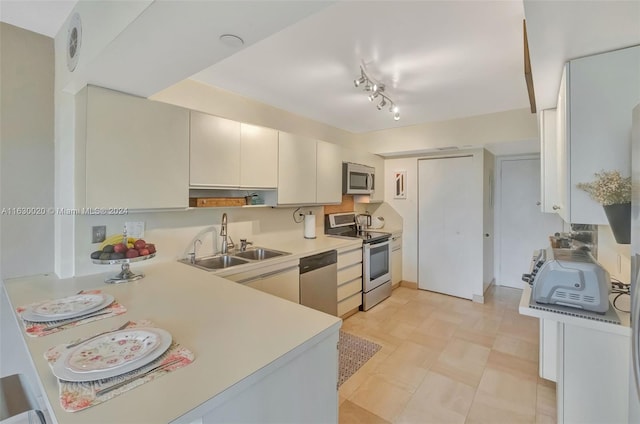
(319, 282)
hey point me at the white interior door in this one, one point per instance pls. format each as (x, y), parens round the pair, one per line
(523, 227)
(444, 202)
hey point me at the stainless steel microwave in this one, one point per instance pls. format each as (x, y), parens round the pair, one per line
(357, 179)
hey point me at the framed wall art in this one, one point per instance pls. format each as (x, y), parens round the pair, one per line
(400, 184)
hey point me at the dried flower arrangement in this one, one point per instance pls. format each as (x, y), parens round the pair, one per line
(609, 188)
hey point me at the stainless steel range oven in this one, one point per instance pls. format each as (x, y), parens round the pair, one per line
(376, 256)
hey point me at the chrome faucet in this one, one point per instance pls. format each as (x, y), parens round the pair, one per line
(192, 255)
(223, 234)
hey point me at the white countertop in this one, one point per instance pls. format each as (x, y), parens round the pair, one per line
(298, 246)
(624, 328)
(237, 334)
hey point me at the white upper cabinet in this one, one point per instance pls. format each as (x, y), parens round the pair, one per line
(329, 173)
(230, 154)
(258, 157)
(296, 170)
(594, 126)
(136, 151)
(214, 151)
(548, 157)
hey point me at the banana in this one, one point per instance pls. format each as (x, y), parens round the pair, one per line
(115, 239)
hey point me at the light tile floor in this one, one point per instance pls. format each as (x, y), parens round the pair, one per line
(448, 360)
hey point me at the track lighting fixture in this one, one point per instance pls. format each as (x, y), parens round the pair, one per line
(377, 90)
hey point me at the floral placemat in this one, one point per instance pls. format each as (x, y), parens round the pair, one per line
(76, 396)
(37, 329)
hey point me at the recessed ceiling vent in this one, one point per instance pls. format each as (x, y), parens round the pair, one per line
(74, 41)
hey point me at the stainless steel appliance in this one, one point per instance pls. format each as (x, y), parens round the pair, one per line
(318, 282)
(571, 278)
(357, 179)
(376, 256)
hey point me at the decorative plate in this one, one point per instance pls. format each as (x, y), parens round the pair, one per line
(67, 307)
(112, 354)
(112, 350)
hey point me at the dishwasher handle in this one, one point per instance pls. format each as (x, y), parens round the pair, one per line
(311, 263)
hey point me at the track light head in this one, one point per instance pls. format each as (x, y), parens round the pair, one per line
(377, 90)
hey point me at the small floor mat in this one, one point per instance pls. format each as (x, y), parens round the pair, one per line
(354, 352)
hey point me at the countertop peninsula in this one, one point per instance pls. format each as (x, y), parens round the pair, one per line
(238, 335)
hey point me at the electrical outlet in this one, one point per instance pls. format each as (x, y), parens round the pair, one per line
(134, 229)
(98, 233)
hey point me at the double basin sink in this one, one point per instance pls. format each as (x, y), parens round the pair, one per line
(223, 261)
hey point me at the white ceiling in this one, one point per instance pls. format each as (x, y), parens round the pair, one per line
(439, 59)
(42, 16)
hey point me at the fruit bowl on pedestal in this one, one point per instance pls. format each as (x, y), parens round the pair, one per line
(123, 250)
(125, 275)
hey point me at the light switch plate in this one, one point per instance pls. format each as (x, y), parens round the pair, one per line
(135, 229)
(98, 233)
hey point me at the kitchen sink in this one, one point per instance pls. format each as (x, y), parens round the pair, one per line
(259, 254)
(219, 262)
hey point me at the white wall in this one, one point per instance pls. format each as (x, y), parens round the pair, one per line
(197, 96)
(26, 151)
(517, 129)
(26, 169)
(408, 211)
(174, 232)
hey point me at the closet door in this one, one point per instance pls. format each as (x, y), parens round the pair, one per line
(445, 225)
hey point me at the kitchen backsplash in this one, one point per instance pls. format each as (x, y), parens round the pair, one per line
(174, 232)
(616, 258)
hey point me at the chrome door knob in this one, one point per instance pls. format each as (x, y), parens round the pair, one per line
(538, 203)
(555, 207)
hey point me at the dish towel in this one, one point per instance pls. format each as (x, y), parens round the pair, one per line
(76, 396)
(37, 329)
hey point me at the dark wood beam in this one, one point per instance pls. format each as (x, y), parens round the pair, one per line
(528, 76)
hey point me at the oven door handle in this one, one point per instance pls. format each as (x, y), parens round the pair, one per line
(378, 244)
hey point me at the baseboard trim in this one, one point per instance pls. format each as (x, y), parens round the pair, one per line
(409, 284)
(351, 312)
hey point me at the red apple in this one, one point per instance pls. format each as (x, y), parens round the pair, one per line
(139, 244)
(132, 253)
(144, 251)
(120, 248)
(151, 247)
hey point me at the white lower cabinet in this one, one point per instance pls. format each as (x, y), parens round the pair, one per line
(349, 279)
(593, 376)
(396, 259)
(548, 354)
(282, 280)
(300, 389)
